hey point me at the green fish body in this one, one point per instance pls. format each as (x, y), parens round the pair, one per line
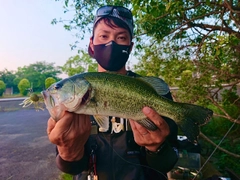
(105, 94)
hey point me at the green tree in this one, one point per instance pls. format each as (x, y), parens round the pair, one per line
(79, 64)
(24, 86)
(49, 81)
(2, 87)
(37, 73)
(16, 82)
(7, 77)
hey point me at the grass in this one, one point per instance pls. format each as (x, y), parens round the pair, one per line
(65, 176)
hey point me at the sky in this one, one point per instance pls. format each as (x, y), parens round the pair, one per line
(27, 35)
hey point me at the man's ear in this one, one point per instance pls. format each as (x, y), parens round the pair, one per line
(90, 48)
(132, 43)
(91, 43)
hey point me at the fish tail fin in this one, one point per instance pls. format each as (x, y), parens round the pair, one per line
(200, 115)
(194, 117)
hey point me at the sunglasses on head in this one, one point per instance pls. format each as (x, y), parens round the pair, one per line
(107, 10)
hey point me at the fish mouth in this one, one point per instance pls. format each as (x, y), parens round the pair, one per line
(55, 110)
(48, 99)
(70, 98)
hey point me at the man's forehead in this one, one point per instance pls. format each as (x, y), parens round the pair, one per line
(103, 27)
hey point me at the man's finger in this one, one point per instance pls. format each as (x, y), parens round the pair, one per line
(153, 116)
(51, 125)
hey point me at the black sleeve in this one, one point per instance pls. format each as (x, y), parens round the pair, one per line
(73, 167)
(163, 161)
(76, 167)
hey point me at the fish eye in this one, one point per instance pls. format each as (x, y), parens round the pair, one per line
(58, 86)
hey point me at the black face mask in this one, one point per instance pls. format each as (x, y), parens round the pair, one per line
(111, 56)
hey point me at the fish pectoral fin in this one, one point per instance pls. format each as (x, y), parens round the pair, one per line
(103, 122)
(190, 129)
(148, 124)
(160, 86)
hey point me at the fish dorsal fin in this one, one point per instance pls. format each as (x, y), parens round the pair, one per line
(158, 84)
(103, 122)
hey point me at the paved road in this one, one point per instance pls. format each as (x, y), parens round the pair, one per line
(25, 152)
(12, 99)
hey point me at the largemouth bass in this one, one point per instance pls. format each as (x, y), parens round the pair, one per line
(109, 94)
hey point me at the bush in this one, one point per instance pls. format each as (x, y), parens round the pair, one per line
(2, 87)
(23, 86)
(49, 81)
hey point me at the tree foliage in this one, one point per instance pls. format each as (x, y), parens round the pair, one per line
(24, 86)
(8, 78)
(37, 73)
(79, 64)
(2, 87)
(201, 37)
(49, 81)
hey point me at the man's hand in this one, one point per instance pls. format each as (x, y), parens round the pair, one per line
(70, 134)
(152, 140)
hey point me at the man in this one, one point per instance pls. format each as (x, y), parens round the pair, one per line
(126, 150)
